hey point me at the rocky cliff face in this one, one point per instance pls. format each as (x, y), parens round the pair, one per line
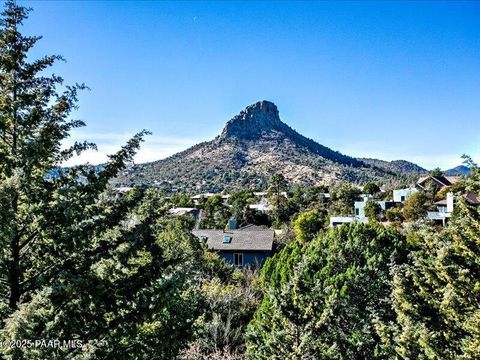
(252, 146)
(255, 120)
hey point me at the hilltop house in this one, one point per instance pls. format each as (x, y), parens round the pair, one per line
(180, 211)
(401, 195)
(197, 199)
(359, 209)
(263, 206)
(245, 247)
(445, 207)
(435, 183)
(339, 220)
(444, 210)
(360, 205)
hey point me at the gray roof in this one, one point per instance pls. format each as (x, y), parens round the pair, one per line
(254, 240)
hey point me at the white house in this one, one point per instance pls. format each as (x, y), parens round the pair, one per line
(444, 210)
(339, 220)
(360, 205)
(263, 206)
(400, 195)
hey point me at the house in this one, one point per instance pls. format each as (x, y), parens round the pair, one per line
(435, 183)
(360, 205)
(123, 189)
(245, 247)
(401, 195)
(339, 220)
(263, 206)
(444, 210)
(180, 211)
(359, 209)
(445, 207)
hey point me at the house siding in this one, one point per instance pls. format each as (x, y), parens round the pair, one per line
(250, 258)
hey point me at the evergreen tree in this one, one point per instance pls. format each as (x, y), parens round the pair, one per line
(44, 221)
(437, 295)
(77, 264)
(309, 223)
(321, 301)
(371, 188)
(416, 206)
(342, 197)
(373, 210)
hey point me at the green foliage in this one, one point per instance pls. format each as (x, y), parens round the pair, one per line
(215, 213)
(371, 188)
(472, 183)
(436, 172)
(182, 200)
(308, 224)
(133, 286)
(342, 197)
(240, 200)
(228, 307)
(416, 206)
(437, 294)
(373, 210)
(323, 300)
(394, 215)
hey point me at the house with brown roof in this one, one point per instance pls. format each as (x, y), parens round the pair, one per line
(445, 207)
(436, 183)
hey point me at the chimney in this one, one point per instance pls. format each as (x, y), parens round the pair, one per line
(232, 224)
(449, 202)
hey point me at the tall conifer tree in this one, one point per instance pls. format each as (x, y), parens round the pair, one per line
(44, 221)
(436, 296)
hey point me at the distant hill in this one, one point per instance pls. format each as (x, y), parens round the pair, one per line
(396, 166)
(252, 146)
(458, 170)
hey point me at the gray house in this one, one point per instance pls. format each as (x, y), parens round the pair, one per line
(249, 246)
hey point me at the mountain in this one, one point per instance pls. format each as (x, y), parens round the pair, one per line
(458, 170)
(252, 146)
(396, 166)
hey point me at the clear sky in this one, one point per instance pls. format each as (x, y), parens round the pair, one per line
(382, 79)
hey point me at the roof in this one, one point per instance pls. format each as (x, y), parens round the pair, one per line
(472, 198)
(123, 189)
(253, 240)
(251, 227)
(442, 180)
(182, 210)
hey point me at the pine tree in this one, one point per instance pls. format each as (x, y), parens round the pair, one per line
(436, 296)
(322, 300)
(44, 221)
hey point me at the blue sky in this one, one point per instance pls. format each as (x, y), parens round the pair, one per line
(381, 79)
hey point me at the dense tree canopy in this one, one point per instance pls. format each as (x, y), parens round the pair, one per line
(437, 294)
(322, 300)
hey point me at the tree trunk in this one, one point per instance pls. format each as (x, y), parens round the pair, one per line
(14, 276)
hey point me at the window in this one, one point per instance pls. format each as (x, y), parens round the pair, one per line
(238, 260)
(227, 239)
(357, 211)
(402, 198)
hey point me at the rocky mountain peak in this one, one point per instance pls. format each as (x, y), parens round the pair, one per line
(253, 121)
